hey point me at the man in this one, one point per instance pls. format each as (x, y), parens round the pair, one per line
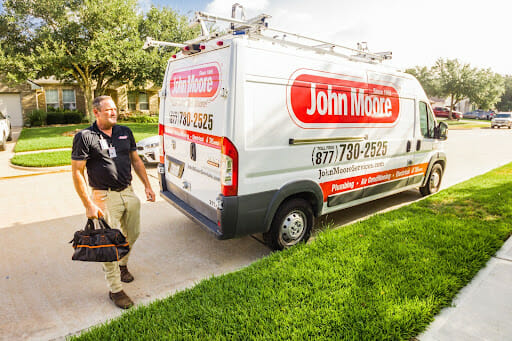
(108, 151)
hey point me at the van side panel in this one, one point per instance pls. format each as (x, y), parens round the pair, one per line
(374, 158)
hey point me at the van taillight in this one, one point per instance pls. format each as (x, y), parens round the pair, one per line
(161, 130)
(229, 168)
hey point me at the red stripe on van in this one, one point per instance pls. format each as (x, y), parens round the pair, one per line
(356, 182)
(194, 136)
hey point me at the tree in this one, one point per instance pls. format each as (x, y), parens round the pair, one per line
(450, 78)
(95, 42)
(488, 89)
(505, 103)
(455, 80)
(426, 77)
(163, 25)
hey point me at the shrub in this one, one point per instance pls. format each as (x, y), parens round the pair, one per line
(36, 118)
(145, 119)
(64, 117)
(139, 118)
(73, 117)
(54, 117)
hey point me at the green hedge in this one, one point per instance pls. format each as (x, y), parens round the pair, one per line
(141, 119)
(40, 117)
(64, 117)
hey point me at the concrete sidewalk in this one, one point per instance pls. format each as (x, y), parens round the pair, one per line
(483, 309)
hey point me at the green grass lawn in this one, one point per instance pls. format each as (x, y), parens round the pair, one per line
(45, 159)
(466, 124)
(384, 278)
(32, 139)
(45, 138)
(52, 137)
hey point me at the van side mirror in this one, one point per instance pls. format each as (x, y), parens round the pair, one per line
(441, 131)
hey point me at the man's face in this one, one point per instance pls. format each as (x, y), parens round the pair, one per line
(106, 116)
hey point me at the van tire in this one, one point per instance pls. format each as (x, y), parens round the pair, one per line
(292, 224)
(434, 180)
(9, 138)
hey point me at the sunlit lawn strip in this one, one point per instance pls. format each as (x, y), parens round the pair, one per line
(45, 138)
(379, 279)
(43, 159)
(467, 124)
(52, 137)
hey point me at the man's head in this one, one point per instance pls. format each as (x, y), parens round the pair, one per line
(105, 111)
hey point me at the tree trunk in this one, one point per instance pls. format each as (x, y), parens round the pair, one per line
(83, 77)
(450, 114)
(89, 96)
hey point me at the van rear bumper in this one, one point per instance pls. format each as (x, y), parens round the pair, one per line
(240, 215)
(197, 217)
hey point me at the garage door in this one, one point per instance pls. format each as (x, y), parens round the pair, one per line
(10, 104)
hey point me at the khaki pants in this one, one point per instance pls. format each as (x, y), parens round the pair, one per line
(122, 211)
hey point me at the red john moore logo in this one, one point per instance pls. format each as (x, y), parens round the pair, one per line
(322, 99)
(201, 82)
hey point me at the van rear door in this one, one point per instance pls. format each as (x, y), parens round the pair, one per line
(195, 115)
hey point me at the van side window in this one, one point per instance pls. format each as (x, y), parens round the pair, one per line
(427, 122)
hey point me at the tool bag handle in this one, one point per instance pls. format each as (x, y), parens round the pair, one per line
(91, 224)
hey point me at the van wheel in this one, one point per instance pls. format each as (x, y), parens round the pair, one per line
(291, 225)
(9, 138)
(434, 180)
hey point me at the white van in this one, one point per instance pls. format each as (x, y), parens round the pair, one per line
(262, 133)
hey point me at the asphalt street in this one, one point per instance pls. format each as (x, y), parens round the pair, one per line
(45, 295)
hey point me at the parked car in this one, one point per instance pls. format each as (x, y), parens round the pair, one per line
(503, 119)
(445, 112)
(5, 130)
(479, 114)
(148, 149)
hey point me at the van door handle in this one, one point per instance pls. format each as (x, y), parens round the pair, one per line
(418, 145)
(408, 146)
(193, 154)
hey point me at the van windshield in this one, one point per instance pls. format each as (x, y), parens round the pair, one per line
(503, 116)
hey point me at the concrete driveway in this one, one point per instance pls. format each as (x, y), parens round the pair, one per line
(45, 295)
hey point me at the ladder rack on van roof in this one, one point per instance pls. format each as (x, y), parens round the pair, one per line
(257, 26)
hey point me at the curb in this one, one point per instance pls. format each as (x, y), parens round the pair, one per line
(33, 174)
(35, 171)
(41, 169)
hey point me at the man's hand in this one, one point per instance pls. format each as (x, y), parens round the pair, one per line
(93, 212)
(150, 195)
(140, 170)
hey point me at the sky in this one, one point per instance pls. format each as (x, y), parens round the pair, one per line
(417, 32)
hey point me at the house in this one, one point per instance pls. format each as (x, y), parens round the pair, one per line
(19, 100)
(463, 106)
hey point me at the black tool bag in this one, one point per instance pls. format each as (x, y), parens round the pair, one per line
(103, 244)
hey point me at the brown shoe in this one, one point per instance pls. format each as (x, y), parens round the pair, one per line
(121, 299)
(126, 276)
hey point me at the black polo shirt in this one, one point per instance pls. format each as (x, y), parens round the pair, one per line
(104, 171)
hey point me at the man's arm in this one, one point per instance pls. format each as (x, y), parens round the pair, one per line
(140, 170)
(77, 171)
